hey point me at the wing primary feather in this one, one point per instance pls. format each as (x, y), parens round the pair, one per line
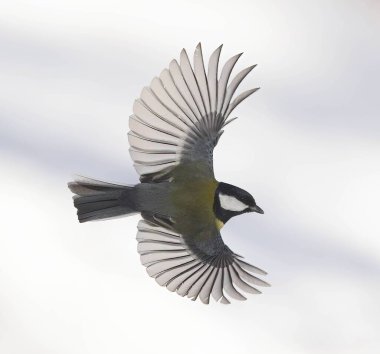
(239, 99)
(189, 76)
(190, 124)
(175, 282)
(140, 127)
(160, 260)
(151, 257)
(234, 85)
(224, 299)
(241, 283)
(186, 284)
(207, 288)
(250, 267)
(204, 294)
(201, 78)
(157, 108)
(161, 242)
(174, 267)
(182, 289)
(168, 82)
(158, 89)
(196, 287)
(156, 172)
(147, 246)
(223, 81)
(150, 124)
(159, 268)
(153, 251)
(183, 89)
(249, 277)
(160, 234)
(152, 158)
(229, 121)
(229, 286)
(163, 142)
(173, 278)
(217, 287)
(212, 76)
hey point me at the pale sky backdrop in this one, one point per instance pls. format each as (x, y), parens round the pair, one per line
(307, 146)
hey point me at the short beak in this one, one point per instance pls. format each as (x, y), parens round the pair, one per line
(257, 209)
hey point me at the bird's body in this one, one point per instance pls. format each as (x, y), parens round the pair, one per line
(177, 122)
(193, 200)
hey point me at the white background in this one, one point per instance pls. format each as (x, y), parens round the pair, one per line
(306, 146)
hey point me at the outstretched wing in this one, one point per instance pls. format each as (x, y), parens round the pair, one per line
(190, 270)
(180, 116)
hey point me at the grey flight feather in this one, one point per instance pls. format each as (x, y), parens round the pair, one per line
(180, 116)
(181, 267)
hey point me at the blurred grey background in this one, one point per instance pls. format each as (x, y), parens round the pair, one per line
(306, 146)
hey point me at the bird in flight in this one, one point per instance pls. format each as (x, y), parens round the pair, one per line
(176, 123)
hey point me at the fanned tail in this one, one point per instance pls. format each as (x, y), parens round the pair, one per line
(101, 200)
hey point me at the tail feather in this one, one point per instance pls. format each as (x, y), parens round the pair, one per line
(96, 200)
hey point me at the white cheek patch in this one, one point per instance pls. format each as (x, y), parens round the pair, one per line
(228, 202)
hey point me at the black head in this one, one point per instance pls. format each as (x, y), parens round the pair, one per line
(230, 201)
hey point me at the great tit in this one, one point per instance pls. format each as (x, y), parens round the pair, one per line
(176, 123)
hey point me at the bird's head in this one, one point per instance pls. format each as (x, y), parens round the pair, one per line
(230, 201)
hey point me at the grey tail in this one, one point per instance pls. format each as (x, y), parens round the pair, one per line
(101, 200)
